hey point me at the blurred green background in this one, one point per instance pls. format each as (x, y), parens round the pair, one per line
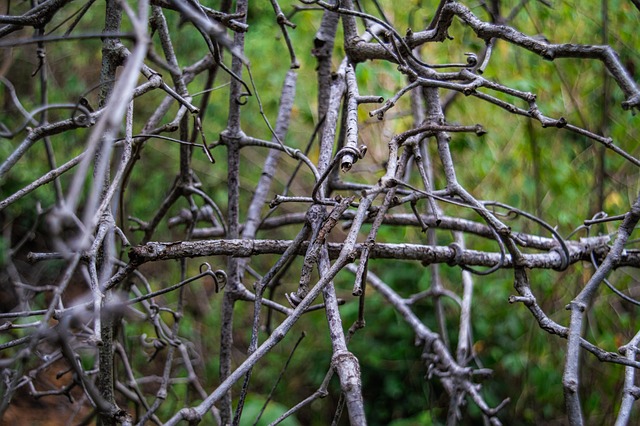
(548, 172)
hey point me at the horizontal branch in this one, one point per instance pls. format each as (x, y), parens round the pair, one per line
(36, 17)
(451, 255)
(402, 220)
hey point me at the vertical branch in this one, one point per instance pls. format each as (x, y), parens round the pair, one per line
(580, 306)
(343, 361)
(44, 100)
(351, 119)
(169, 53)
(464, 336)
(185, 153)
(279, 332)
(600, 172)
(233, 133)
(253, 217)
(111, 60)
(284, 23)
(271, 162)
(435, 116)
(425, 167)
(323, 51)
(535, 164)
(349, 24)
(631, 391)
(105, 361)
(111, 57)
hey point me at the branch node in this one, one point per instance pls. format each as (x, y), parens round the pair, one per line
(527, 301)
(562, 122)
(472, 59)
(190, 415)
(457, 254)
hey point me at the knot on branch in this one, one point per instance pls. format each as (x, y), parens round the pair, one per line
(581, 307)
(230, 137)
(190, 415)
(388, 182)
(624, 350)
(321, 48)
(123, 417)
(571, 386)
(140, 254)
(561, 122)
(281, 19)
(428, 257)
(469, 90)
(527, 301)
(344, 358)
(350, 155)
(277, 200)
(294, 299)
(472, 59)
(548, 54)
(457, 254)
(635, 392)
(564, 258)
(632, 103)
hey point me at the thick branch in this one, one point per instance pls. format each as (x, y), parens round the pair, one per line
(154, 251)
